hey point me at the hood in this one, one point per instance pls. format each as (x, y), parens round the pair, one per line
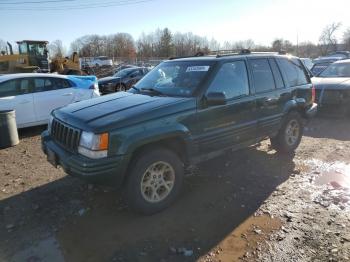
(120, 110)
(331, 82)
(108, 79)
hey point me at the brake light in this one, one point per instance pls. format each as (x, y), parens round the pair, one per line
(313, 94)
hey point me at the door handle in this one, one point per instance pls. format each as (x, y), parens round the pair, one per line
(24, 102)
(67, 94)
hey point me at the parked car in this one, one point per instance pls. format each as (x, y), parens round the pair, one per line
(33, 96)
(322, 63)
(181, 113)
(100, 61)
(122, 80)
(333, 87)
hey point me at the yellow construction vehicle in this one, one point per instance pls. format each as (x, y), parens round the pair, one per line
(67, 66)
(32, 56)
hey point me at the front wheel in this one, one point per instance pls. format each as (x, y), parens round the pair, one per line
(155, 181)
(290, 134)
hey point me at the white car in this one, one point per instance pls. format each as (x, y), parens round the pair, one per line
(99, 61)
(33, 96)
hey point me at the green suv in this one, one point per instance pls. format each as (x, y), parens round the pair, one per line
(186, 110)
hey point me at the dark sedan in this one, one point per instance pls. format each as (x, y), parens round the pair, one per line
(122, 80)
(322, 63)
(333, 87)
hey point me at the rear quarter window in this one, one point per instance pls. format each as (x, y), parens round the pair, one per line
(294, 71)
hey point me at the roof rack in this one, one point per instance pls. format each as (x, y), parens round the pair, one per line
(198, 54)
(230, 52)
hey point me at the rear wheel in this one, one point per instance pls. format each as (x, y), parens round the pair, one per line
(290, 134)
(120, 88)
(155, 181)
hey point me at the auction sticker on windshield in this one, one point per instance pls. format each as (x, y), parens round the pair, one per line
(197, 69)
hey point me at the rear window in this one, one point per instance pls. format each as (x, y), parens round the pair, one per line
(294, 71)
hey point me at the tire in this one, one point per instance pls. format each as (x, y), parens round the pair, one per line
(143, 181)
(289, 135)
(120, 88)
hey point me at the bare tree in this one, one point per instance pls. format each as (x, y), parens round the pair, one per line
(56, 49)
(328, 41)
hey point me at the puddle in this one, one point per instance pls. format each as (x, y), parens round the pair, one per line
(245, 238)
(334, 182)
(336, 174)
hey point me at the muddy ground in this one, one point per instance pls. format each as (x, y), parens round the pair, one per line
(250, 205)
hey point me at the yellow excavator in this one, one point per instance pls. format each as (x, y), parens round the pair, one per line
(67, 66)
(33, 57)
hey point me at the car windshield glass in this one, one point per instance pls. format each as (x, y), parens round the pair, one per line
(175, 78)
(338, 55)
(337, 70)
(124, 72)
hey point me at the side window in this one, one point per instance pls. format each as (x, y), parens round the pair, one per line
(232, 79)
(24, 86)
(43, 84)
(276, 73)
(294, 72)
(60, 83)
(262, 75)
(9, 88)
(39, 84)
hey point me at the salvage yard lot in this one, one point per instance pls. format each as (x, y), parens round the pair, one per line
(253, 204)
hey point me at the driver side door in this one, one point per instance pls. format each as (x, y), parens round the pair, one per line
(235, 122)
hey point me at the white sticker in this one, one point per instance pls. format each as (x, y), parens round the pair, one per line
(197, 69)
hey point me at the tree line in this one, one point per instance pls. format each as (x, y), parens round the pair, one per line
(162, 43)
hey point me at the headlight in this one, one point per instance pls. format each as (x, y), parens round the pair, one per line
(49, 124)
(93, 145)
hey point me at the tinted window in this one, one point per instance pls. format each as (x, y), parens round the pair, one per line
(43, 84)
(276, 73)
(262, 75)
(14, 87)
(232, 79)
(294, 71)
(60, 83)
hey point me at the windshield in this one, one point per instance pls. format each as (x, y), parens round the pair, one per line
(37, 49)
(337, 70)
(342, 56)
(176, 78)
(124, 72)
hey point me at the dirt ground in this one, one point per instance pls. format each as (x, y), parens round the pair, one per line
(250, 205)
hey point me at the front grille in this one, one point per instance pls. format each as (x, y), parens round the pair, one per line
(67, 136)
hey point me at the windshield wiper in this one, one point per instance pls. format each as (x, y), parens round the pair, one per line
(155, 91)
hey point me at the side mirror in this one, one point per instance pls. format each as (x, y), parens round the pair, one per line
(216, 98)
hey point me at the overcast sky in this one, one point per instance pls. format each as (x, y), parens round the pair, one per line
(224, 20)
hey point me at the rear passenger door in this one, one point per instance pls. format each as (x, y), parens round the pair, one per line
(270, 94)
(231, 124)
(51, 93)
(17, 94)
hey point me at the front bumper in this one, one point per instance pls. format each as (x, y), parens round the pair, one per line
(106, 171)
(311, 111)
